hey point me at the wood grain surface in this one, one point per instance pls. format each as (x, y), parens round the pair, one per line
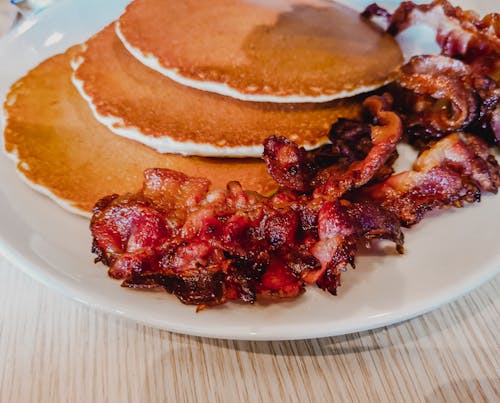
(53, 349)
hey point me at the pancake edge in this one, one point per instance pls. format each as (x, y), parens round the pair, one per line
(166, 144)
(14, 156)
(223, 89)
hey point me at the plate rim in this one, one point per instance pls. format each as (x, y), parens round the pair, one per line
(51, 281)
(43, 274)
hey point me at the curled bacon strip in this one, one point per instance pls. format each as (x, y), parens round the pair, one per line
(441, 95)
(454, 170)
(459, 33)
(295, 169)
(441, 78)
(385, 136)
(350, 140)
(340, 226)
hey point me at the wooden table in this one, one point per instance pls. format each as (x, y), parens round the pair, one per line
(56, 350)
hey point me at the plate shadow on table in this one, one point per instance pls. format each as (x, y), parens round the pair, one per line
(446, 319)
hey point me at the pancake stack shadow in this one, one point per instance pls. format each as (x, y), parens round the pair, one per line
(191, 86)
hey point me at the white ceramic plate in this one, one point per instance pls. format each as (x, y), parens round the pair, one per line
(448, 254)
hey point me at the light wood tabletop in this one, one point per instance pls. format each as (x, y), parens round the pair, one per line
(53, 349)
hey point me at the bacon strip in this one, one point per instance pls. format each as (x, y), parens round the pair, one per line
(340, 226)
(459, 33)
(385, 136)
(454, 170)
(295, 169)
(208, 247)
(440, 78)
(290, 166)
(442, 94)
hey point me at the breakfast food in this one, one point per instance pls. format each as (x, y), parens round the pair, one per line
(466, 74)
(211, 247)
(272, 51)
(64, 152)
(206, 242)
(170, 117)
(230, 244)
(460, 33)
(207, 248)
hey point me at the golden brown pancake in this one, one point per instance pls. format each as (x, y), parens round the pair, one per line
(62, 149)
(261, 49)
(138, 102)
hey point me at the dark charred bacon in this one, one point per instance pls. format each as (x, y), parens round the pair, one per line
(460, 33)
(358, 152)
(454, 170)
(488, 123)
(384, 135)
(350, 141)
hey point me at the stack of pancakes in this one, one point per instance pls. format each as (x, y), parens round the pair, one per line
(192, 86)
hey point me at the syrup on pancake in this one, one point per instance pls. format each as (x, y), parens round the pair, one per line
(137, 102)
(274, 51)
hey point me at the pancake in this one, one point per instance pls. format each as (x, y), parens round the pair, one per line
(136, 102)
(65, 153)
(256, 50)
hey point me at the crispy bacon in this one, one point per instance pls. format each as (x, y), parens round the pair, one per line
(385, 135)
(341, 225)
(488, 123)
(454, 170)
(208, 247)
(441, 95)
(230, 244)
(459, 33)
(438, 95)
(289, 165)
(360, 152)
(350, 141)
(135, 225)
